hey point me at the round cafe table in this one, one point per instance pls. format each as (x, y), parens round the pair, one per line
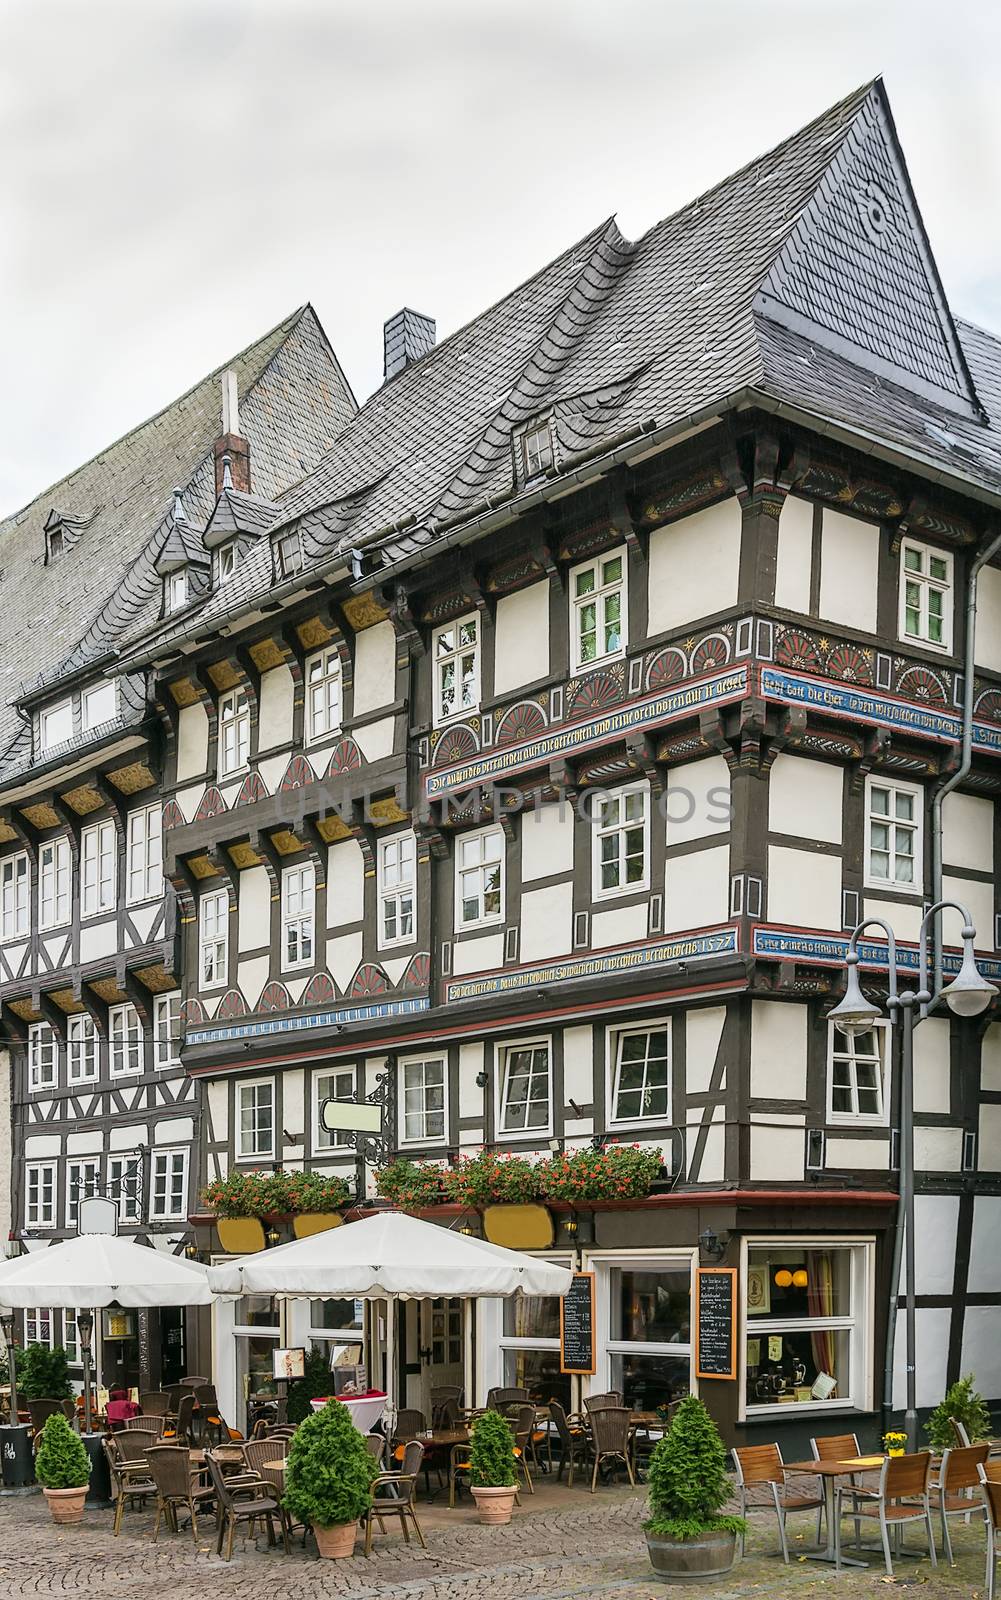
(365, 1409)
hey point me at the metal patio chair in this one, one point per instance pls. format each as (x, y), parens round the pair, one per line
(762, 1464)
(990, 1488)
(958, 1475)
(902, 1497)
(393, 1496)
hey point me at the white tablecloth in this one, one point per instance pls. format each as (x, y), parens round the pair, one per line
(365, 1412)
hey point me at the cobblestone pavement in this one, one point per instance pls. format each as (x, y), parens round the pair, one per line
(561, 1546)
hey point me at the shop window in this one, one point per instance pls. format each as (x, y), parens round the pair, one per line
(530, 1347)
(807, 1325)
(648, 1347)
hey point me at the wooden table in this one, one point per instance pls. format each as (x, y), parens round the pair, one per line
(829, 1472)
(274, 1471)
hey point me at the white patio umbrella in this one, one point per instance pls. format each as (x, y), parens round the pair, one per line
(101, 1269)
(390, 1256)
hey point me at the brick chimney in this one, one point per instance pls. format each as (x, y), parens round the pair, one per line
(231, 442)
(405, 338)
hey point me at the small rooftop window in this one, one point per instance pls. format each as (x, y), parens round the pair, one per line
(176, 590)
(288, 554)
(54, 543)
(55, 725)
(230, 557)
(98, 705)
(537, 448)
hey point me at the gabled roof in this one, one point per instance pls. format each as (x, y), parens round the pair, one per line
(237, 513)
(116, 511)
(804, 280)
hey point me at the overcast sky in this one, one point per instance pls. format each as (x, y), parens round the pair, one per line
(177, 175)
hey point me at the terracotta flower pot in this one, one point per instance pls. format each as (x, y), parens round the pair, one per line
(495, 1505)
(66, 1505)
(691, 1560)
(336, 1542)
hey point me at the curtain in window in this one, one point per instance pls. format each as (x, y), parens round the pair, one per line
(820, 1300)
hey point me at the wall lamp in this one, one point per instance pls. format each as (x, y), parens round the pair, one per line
(712, 1244)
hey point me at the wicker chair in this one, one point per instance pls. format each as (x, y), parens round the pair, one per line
(143, 1424)
(957, 1475)
(39, 1412)
(130, 1474)
(498, 1398)
(610, 1439)
(575, 1441)
(170, 1469)
(393, 1496)
(903, 1496)
(155, 1404)
(602, 1402)
(523, 1426)
(178, 1427)
(375, 1444)
(243, 1499)
(762, 1463)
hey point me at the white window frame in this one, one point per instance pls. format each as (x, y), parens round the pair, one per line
(536, 461)
(325, 1143)
(213, 939)
(839, 1045)
(36, 1320)
(126, 1044)
(54, 715)
(603, 1263)
(81, 1049)
(598, 595)
(144, 855)
(228, 560)
(283, 542)
(324, 694)
(502, 1059)
(40, 1176)
(298, 917)
(453, 656)
(243, 1085)
(166, 1025)
(916, 827)
(476, 872)
(618, 830)
(43, 1058)
(234, 732)
(491, 1335)
(860, 1321)
(81, 1188)
(926, 585)
(411, 1064)
(166, 1163)
(98, 868)
(90, 721)
(15, 896)
(71, 1339)
(176, 590)
(55, 883)
(125, 1174)
(396, 891)
(613, 1039)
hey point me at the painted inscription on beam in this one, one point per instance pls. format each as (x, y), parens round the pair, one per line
(867, 705)
(690, 947)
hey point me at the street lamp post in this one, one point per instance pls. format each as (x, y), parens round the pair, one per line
(85, 1333)
(967, 995)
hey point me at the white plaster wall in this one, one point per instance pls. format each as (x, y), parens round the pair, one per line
(521, 638)
(251, 976)
(850, 1155)
(693, 566)
(546, 922)
(778, 1050)
(375, 668)
(989, 1139)
(96, 939)
(795, 549)
(931, 1354)
(277, 696)
(805, 798)
(293, 1104)
(173, 1130)
(697, 801)
(546, 841)
(985, 1256)
(697, 889)
(982, 1350)
(470, 1063)
(254, 918)
(931, 1065)
(938, 1149)
(703, 1030)
(345, 883)
(988, 640)
(777, 1153)
(849, 563)
(217, 1098)
(376, 740)
(38, 1144)
(904, 916)
(82, 1144)
(343, 958)
(712, 1168)
(990, 1059)
(804, 888)
(578, 1066)
(192, 741)
(978, 898)
(936, 1219)
(968, 832)
(478, 955)
(619, 925)
(271, 771)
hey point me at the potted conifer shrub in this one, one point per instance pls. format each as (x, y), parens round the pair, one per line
(328, 1478)
(491, 1468)
(962, 1404)
(62, 1467)
(686, 1536)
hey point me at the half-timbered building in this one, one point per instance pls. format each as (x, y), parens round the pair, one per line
(89, 936)
(534, 756)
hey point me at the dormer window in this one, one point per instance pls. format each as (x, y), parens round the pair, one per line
(54, 545)
(288, 554)
(98, 705)
(55, 725)
(537, 449)
(229, 559)
(176, 588)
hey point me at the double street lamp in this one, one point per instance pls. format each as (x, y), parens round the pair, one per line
(967, 995)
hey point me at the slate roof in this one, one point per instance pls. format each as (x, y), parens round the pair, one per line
(116, 512)
(805, 279)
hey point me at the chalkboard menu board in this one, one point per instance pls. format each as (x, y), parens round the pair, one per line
(577, 1325)
(716, 1323)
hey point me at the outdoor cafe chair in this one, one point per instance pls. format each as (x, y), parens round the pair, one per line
(902, 1497)
(177, 1426)
(170, 1469)
(990, 1488)
(957, 1475)
(393, 1496)
(762, 1464)
(39, 1412)
(498, 1398)
(130, 1480)
(192, 1381)
(575, 1441)
(837, 1447)
(141, 1423)
(610, 1430)
(522, 1424)
(243, 1499)
(602, 1402)
(155, 1404)
(375, 1444)
(959, 1432)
